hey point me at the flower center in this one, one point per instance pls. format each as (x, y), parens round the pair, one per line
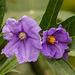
(22, 35)
(51, 39)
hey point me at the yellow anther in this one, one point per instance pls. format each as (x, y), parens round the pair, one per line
(51, 39)
(22, 35)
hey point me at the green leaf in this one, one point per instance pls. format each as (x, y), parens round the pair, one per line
(50, 16)
(72, 44)
(9, 65)
(1, 34)
(69, 25)
(66, 14)
(62, 66)
(1, 40)
(2, 10)
(72, 53)
(13, 70)
(53, 69)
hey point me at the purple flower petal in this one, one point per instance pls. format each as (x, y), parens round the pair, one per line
(10, 21)
(30, 27)
(53, 50)
(35, 43)
(51, 31)
(64, 46)
(65, 55)
(26, 52)
(10, 48)
(59, 50)
(28, 23)
(48, 50)
(60, 26)
(11, 28)
(10, 24)
(45, 35)
(8, 36)
(32, 34)
(62, 36)
(13, 25)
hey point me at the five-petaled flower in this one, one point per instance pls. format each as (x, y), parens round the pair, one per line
(24, 39)
(55, 43)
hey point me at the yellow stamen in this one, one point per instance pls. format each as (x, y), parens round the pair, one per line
(22, 35)
(51, 40)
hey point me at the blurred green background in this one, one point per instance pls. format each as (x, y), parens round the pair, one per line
(35, 9)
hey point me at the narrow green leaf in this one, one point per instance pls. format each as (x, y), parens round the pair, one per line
(2, 10)
(72, 44)
(72, 53)
(1, 34)
(50, 16)
(13, 70)
(53, 69)
(62, 66)
(69, 25)
(1, 40)
(10, 64)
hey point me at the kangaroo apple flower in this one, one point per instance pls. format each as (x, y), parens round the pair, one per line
(55, 42)
(24, 39)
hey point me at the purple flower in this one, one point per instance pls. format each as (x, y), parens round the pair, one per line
(24, 39)
(55, 42)
(65, 55)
